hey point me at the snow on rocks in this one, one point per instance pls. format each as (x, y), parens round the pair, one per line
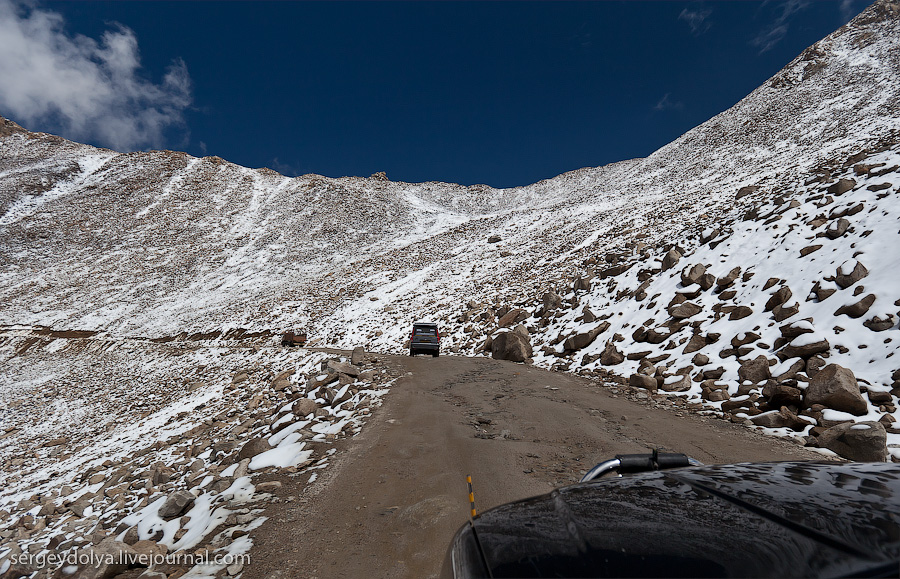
(178, 476)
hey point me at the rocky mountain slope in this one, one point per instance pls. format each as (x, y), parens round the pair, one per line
(746, 270)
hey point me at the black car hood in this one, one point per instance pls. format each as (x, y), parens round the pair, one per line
(746, 520)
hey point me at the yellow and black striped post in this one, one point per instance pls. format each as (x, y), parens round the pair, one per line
(471, 496)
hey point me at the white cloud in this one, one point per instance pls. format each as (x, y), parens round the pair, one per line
(771, 35)
(84, 89)
(696, 19)
(666, 104)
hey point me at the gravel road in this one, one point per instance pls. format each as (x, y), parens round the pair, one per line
(394, 495)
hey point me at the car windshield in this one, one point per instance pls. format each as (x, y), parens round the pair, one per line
(424, 330)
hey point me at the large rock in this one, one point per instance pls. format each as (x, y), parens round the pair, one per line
(642, 381)
(510, 346)
(304, 407)
(858, 309)
(782, 418)
(842, 186)
(253, 447)
(728, 279)
(356, 358)
(785, 311)
(756, 370)
(685, 310)
(175, 504)
(782, 295)
(611, 356)
(511, 317)
(670, 259)
(780, 395)
(692, 274)
(584, 339)
(806, 346)
(343, 368)
(861, 441)
(837, 228)
(878, 324)
(835, 387)
(850, 272)
(740, 312)
(677, 383)
(551, 300)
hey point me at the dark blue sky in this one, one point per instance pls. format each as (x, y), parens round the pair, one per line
(503, 93)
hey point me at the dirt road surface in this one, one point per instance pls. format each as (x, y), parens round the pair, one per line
(394, 496)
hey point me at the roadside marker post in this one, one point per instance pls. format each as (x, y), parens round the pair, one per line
(471, 497)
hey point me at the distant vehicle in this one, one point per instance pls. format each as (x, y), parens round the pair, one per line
(780, 519)
(425, 339)
(291, 338)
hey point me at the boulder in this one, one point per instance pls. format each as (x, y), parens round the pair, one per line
(797, 366)
(692, 274)
(513, 316)
(861, 441)
(581, 284)
(726, 280)
(782, 418)
(253, 447)
(878, 324)
(810, 249)
(344, 368)
(779, 395)
(835, 387)
(642, 381)
(850, 272)
(304, 407)
(782, 295)
(611, 356)
(510, 346)
(744, 338)
(794, 329)
(842, 186)
(806, 346)
(670, 259)
(584, 339)
(494, 239)
(785, 311)
(677, 383)
(740, 312)
(756, 370)
(685, 310)
(551, 301)
(697, 342)
(176, 504)
(356, 358)
(858, 309)
(700, 359)
(744, 191)
(837, 228)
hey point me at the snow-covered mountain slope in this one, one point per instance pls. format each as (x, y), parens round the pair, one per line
(161, 244)
(747, 269)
